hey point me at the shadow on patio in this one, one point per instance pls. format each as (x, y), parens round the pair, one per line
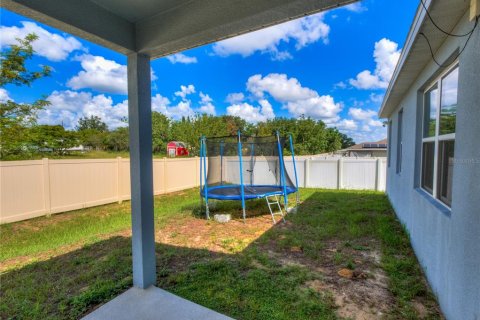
(344, 254)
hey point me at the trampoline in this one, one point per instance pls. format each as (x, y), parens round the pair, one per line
(233, 192)
(244, 168)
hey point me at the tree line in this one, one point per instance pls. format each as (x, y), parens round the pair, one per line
(22, 137)
(310, 136)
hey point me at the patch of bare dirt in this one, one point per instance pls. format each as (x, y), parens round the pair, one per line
(231, 237)
(359, 291)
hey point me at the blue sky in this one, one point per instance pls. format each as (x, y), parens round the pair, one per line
(333, 66)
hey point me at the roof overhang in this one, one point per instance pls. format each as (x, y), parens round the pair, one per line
(162, 27)
(415, 54)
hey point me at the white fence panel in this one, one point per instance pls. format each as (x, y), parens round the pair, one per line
(323, 173)
(30, 189)
(300, 164)
(359, 174)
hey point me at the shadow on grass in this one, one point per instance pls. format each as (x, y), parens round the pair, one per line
(267, 280)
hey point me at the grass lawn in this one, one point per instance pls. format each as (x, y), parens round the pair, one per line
(343, 255)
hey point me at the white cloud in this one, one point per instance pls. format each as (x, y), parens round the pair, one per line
(52, 46)
(302, 32)
(320, 107)
(376, 98)
(235, 97)
(4, 97)
(251, 113)
(183, 108)
(386, 56)
(181, 58)
(361, 114)
(279, 86)
(205, 98)
(364, 125)
(160, 103)
(185, 91)
(356, 7)
(298, 100)
(346, 125)
(68, 106)
(100, 74)
(206, 105)
(340, 85)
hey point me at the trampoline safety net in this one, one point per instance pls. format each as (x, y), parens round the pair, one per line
(260, 167)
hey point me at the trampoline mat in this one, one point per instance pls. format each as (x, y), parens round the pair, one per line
(233, 192)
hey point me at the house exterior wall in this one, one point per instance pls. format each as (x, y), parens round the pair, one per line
(446, 241)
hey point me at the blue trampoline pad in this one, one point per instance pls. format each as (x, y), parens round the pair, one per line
(233, 191)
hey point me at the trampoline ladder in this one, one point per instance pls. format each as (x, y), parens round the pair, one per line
(274, 202)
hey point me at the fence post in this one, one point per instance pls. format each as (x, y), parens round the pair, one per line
(377, 174)
(165, 189)
(340, 174)
(307, 173)
(46, 186)
(119, 179)
(197, 173)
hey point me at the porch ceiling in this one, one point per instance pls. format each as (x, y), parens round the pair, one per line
(161, 27)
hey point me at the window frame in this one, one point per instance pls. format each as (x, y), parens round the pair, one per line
(398, 168)
(389, 143)
(437, 138)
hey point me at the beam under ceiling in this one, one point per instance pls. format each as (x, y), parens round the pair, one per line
(172, 29)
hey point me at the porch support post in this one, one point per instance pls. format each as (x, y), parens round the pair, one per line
(141, 170)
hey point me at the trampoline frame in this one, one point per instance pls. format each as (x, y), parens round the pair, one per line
(284, 189)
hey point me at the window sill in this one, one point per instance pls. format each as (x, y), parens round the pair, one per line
(436, 203)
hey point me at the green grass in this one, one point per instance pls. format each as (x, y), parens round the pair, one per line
(86, 226)
(245, 279)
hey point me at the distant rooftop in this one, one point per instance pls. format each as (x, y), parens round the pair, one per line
(381, 144)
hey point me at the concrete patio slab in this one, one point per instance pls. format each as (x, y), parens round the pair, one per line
(152, 303)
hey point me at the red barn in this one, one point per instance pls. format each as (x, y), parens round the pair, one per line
(176, 148)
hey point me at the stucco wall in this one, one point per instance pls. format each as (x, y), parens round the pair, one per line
(447, 242)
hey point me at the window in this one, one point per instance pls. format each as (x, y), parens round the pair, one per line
(389, 144)
(399, 141)
(438, 143)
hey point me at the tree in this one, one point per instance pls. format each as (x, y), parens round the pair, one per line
(346, 141)
(334, 141)
(117, 140)
(92, 123)
(160, 132)
(92, 132)
(92, 138)
(17, 118)
(13, 62)
(54, 138)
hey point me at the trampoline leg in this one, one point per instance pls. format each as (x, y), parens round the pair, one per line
(281, 211)
(207, 211)
(243, 209)
(297, 200)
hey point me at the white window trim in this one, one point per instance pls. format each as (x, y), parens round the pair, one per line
(399, 157)
(389, 143)
(437, 138)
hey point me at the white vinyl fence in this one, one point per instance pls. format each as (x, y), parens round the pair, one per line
(36, 188)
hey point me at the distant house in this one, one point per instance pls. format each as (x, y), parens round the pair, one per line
(365, 149)
(433, 175)
(80, 148)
